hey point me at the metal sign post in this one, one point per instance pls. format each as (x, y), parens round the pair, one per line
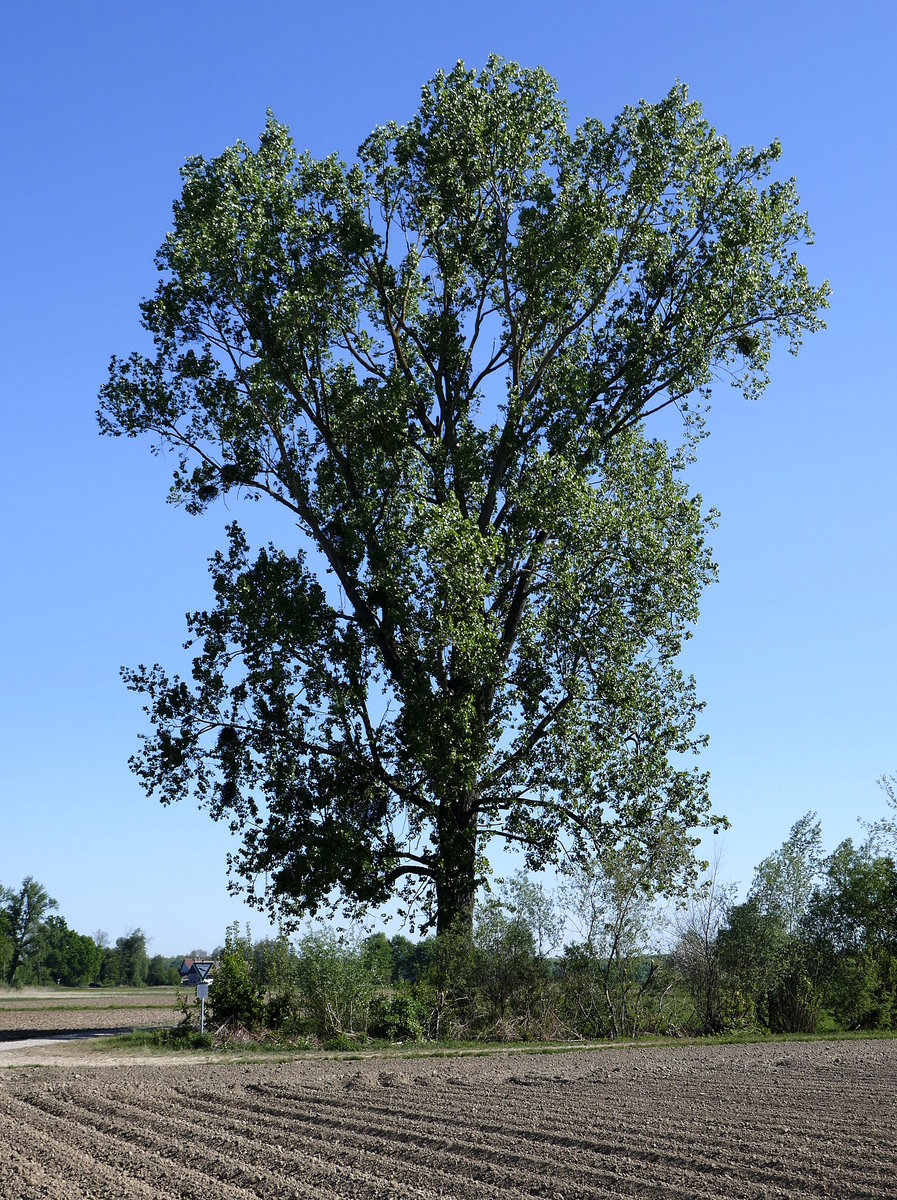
(202, 991)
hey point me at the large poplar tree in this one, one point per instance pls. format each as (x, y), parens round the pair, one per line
(438, 360)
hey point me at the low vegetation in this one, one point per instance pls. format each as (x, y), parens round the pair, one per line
(812, 948)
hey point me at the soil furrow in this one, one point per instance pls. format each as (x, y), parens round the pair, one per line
(763, 1165)
(254, 1156)
(706, 1123)
(255, 1135)
(161, 1156)
(520, 1158)
(51, 1141)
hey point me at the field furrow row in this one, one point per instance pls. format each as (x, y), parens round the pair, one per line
(257, 1137)
(709, 1123)
(623, 1135)
(248, 1165)
(44, 1138)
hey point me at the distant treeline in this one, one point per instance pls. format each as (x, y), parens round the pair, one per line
(37, 948)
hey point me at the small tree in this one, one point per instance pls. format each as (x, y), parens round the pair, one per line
(411, 960)
(784, 881)
(68, 957)
(236, 997)
(852, 927)
(376, 957)
(273, 962)
(132, 958)
(5, 937)
(335, 989)
(882, 834)
(609, 978)
(516, 929)
(763, 949)
(537, 910)
(696, 951)
(161, 971)
(506, 970)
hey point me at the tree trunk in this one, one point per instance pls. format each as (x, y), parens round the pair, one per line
(456, 882)
(14, 963)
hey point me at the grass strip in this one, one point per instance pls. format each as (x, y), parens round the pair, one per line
(178, 1039)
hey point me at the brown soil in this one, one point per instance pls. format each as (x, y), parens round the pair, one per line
(100, 1008)
(735, 1122)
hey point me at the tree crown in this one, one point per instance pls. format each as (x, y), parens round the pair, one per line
(438, 360)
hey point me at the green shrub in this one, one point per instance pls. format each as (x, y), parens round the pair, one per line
(451, 977)
(860, 990)
(283, 1011)
(335, 990)
(236, 995)
(168, 1039)
(582, 1001)
(402, 1017)
(737, 1010)
(343, 1042)
(794, 1004)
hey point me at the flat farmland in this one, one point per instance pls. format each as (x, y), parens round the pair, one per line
(45, 1010)
(769, 1120)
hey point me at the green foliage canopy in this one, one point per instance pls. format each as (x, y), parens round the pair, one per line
(437, 361)
(851, 929)
(24, 911)
(70, 958)
(763, 947)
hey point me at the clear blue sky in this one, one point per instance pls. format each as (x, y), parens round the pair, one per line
(795, 652)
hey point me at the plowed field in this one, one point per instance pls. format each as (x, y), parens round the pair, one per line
(809, 1120)
(75, 1008)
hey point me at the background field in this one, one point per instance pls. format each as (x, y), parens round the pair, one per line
(46, 1009)
(748, 1121)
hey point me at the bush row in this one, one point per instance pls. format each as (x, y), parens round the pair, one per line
(812, 946)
